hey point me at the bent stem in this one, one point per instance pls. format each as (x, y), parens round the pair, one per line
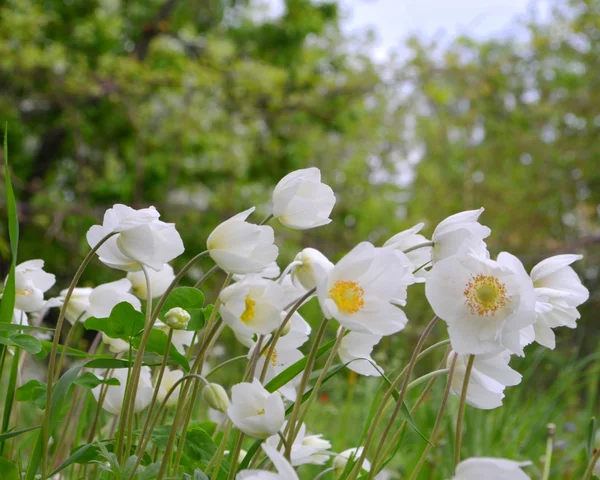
(461, 411)
(551, 430)
(45, 433)
(416, 247)
(590, 469)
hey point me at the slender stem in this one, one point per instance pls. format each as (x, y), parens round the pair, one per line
(235, 454)
(550, 430)
(420, 245)
(324, 472)
(63, 354)
(310, 363)
(461, 411)
(438, 420)
(225, 363)
(205, 276)
(267, 219)
(161, 372)
(45, 433)
(399, 403)
(300, 300)
(590, 469)
(218, 457)
(426, 377)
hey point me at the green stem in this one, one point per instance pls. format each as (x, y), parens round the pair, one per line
(416, 247)
(205, 276)
(426, 377)
(218, 457)
(225, 363)
(45, 433)
(461, 410)
(590, 469)
(10, 393)
(550, 430)
(267, 219)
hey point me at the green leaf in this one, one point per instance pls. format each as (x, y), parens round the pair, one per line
(89, 380)
(8, 470)
(15, 433)
(124, 322)
(197, 320)
(71, 352)
(188, 298)
(591, 438)
(10, 327)
(27, 342)
(157, 343)
(34, 391)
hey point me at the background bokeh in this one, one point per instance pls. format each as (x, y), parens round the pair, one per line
(199, 107)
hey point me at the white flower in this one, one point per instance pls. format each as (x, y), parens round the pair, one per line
(296, 324)
(31, 282)
(490, 375)
(255, 411)
(301, 201)
(408, 239)
(272, 270)
(105, 297)
(115, 345)
(141, 239)
(19, 317)
(180, 338)
(241, 247)
(170, 378)
(159, 281)
(457, 232)
(341, 460)
(359, 290)
(292, 291)
(177, 318)
(215, 396)
(284, 470)
(253, 305)
(303, 272)
(79, 303)
(356, 348)
(305, 449)
(484, 302)
(115, 393)
(560, 292)
(478, 468)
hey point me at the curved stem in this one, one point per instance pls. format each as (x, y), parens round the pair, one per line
(45, 433)
(590, 469)
(426, 377)
(550, 430)
(416, 247)
(226, 362)
(267, 219)
(461, 411)
(204, 277)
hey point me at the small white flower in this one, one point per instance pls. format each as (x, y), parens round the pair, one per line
(296, 324)
(489, 377)
(560, 292)
(301, 201)
(292, 291)
(485, 303)
(159, 281)
(304, 271)
(79, 303)
(255, 411)
(170, 378)
(408, 239)
(177, 318)
(105, 297)
(253, 305)
(284, 470)
(115, 345)
(241, 247)
(478, 468)
(31, 282)
(141, 239)
(341, 460)
(460, 231)
(115, 393)
(305, 449)
(356, 348)
(359, 290)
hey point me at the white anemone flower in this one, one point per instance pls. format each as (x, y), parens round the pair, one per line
(292, 291)
(477, 468)
(303, 272)
(358, 292)
(113, 400)
(460, 231)
(252, 306)
(284, 470)
(356, 348)
(341, 460)
(485, 303)
(272, 271)
(255, 411)
(159, 281)
(411, 238)
(301, 201)
(306, 448)
(296, 324)
(78, 305)
(489, 377)
(241, 247)
(560, 292)
(141, 239)
(31, 282)
(170, 378)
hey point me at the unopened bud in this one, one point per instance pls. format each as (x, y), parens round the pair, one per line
(177, 318)
(216, 397)
(286, 328)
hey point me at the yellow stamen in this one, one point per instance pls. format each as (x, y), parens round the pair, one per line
(261, 412)
(273, 357)
(249, 311)
(485, 295)
(348, 296)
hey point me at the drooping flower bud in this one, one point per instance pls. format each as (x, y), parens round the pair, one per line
(177, 318)
(216, 397)
(304, 274)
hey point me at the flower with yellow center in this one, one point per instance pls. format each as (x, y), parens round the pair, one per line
(361, 290)
(485, 303)
(252, 305)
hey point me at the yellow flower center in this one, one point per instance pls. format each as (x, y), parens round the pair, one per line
(261, 412)
(249, 311)
(348, 296)
(273, 357)
(485, 295)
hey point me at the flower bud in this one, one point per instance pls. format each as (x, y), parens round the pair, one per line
(216, 397)
(287, 328)
(177, 318)
(304, 274)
